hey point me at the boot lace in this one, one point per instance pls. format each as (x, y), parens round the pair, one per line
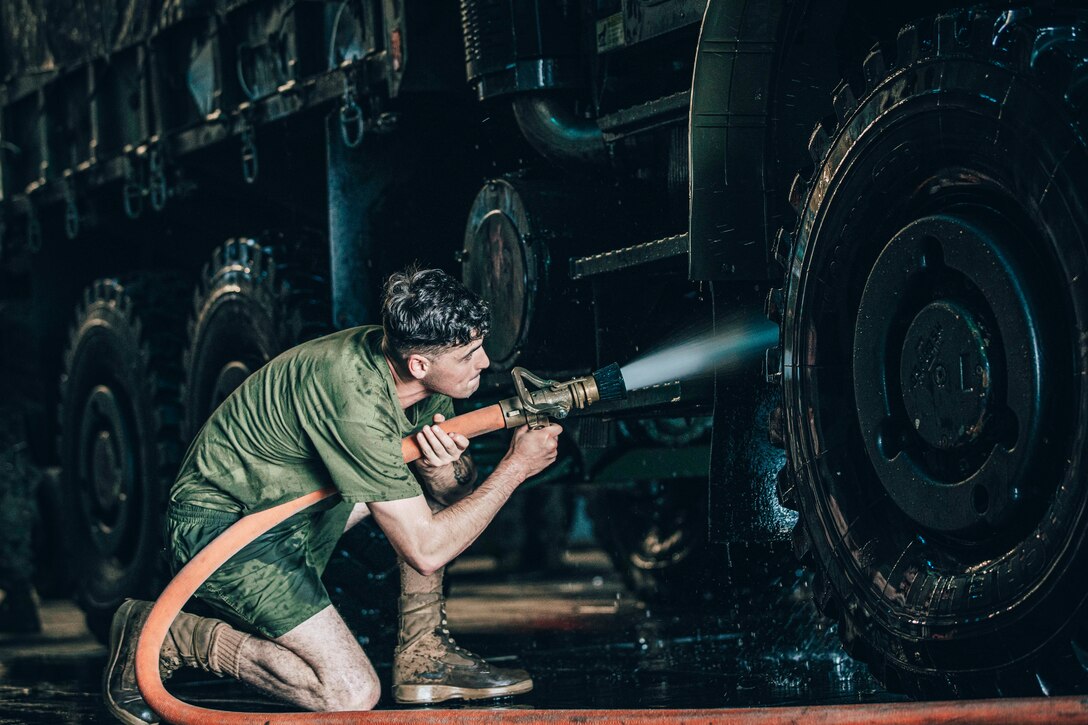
(442, 631)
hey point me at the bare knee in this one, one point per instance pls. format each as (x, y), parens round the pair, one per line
(362, 696)
(368, 698)
(338, 676)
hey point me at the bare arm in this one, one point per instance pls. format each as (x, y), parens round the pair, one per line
(428, 541)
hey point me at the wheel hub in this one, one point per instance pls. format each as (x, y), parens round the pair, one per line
(945, 375)
(948, 371)
(107, 473)
(106, 468)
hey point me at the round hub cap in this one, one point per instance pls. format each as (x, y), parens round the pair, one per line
(946, 365)
(945, 375)
(107, 465)
(106, 472)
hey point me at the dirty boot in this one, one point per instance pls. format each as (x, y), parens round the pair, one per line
(429, 667)
(209, 644)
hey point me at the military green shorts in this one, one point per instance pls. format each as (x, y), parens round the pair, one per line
(274, 583)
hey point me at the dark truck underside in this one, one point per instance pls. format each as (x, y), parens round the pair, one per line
(188, 188)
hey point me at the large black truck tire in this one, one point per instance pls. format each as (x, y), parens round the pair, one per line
(257, 299)
(933, 359)
(119, 443)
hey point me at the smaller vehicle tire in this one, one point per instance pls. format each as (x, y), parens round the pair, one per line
(119, 445)
(254, 302)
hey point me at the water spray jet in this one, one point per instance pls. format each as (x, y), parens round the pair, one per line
(731, 345)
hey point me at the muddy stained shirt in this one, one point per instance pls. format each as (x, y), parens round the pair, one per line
(324, 412)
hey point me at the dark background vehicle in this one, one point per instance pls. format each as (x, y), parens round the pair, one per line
(190, 186)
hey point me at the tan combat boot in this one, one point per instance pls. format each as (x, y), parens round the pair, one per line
(191, 642)
(429, 667)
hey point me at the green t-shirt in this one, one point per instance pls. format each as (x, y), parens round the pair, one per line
(324, 412)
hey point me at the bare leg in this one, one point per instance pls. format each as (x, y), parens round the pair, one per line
(318, 665)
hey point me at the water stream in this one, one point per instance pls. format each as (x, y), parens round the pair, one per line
(736, 341)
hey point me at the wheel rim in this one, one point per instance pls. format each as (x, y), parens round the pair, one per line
(954, 425)
(500, 265)
(658, 524)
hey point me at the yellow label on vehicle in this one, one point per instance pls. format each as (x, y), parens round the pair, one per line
(610, 33)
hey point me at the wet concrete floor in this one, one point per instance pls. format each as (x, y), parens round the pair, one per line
(585, 639)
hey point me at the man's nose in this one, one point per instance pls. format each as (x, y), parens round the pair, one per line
(484, 360)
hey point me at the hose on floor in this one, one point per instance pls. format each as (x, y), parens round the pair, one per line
(1032, 711)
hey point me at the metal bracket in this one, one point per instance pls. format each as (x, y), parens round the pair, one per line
(71, 212)
(656, 396)
(617, 259)
(250, 167)
(352, 126)
(157, 178)
(132, 193)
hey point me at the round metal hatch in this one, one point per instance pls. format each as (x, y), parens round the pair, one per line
(499, 263)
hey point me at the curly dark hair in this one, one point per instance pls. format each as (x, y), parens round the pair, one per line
(426, 311)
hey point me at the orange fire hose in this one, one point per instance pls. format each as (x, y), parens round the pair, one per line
(470, 425)
(1029, 711)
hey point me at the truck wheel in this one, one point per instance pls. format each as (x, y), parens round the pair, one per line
(256, 301)
(933, 360)
(250, 307)
(118, 437)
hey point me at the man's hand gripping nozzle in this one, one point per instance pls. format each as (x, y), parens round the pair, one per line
(548, 399)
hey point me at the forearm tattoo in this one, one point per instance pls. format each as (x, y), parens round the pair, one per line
(464, 471)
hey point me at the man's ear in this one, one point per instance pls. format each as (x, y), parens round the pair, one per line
(418, 365)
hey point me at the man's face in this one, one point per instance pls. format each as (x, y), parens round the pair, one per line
(456, 371)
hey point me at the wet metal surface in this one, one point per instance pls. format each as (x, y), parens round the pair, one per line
(586, 640)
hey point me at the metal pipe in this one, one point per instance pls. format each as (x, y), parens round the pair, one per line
(551, 126)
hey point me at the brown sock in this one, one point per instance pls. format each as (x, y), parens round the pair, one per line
(412, 582)
(420, 604)
(225, 653)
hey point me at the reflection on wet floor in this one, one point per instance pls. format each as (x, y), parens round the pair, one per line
(585, 639)
(589, 644)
